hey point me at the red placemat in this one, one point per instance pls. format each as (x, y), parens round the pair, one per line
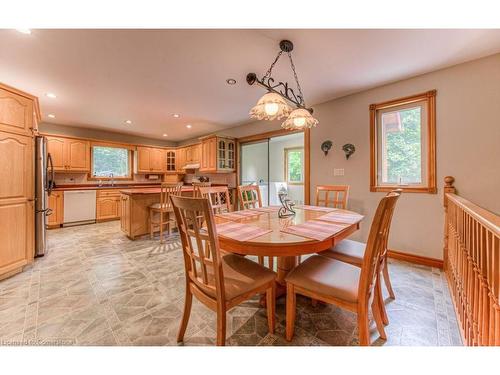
(340, 216)
(315, 208)
(240, 232)
(238, 215)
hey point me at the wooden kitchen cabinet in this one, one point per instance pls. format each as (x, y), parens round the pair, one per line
(56, 205)
(218, 154)
(193, 154)
(69, 154)
(171, 161)
(19, 111)
(180, 161)
(108, 205)
(150, 160)
(17, 214)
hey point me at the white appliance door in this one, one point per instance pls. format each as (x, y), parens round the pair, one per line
(79, 206)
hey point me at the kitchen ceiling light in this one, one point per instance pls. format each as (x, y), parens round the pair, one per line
(24, 31)
(51, 115)
(165, 134)
(51, 95)
(300, 118)
(176, 115)
(189, 126)
(269, 107)
(231, 81)
(128, 122)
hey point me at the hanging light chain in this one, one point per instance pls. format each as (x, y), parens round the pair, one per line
(268, 73)
(296, 79)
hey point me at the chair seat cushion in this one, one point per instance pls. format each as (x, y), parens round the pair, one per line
(163, 207)
(241, 275)
(347, 251)
(328, 277)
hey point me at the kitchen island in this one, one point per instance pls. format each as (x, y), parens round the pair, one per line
(135, 204)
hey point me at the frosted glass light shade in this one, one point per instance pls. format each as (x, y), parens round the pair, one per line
(299, 119)
(270, 107)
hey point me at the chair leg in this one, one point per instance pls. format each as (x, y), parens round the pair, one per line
(290, 311)
(380, 298)
(363, 328)
(261, 260)
(185, 316)
(387, 280)
(161, 227)
(271, 263)
(271, 307)
(168, 223)
(151, 223)
(377, 315)
(221, 326)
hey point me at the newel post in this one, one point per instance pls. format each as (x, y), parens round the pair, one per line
(448, 188)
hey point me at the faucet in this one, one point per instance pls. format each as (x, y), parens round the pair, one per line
(112, 179)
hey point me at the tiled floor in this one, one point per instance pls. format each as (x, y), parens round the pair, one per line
(96, 287)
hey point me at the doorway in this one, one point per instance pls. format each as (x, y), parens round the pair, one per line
(276, 163)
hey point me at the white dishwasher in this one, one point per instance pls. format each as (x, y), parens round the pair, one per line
(79, 207)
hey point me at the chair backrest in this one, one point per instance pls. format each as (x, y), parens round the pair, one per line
(168, 189)
(332, 196)
(197, 185)
(200, 246)
(218, 197)
(249, 196)
(385, 248)
(377, 240)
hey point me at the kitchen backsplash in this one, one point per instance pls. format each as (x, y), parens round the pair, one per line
(216, 178)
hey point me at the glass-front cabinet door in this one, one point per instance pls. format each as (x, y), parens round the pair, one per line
(171, 161)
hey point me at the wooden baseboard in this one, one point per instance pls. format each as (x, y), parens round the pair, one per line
(417, 259)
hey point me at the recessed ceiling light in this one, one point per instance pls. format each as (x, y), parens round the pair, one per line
(128, 122)
(176, 115)
(231, 81)
(189, 126)
(24, 31)
(51, 95)
(165, 134)
(51, 115)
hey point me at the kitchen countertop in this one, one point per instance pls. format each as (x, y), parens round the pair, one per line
(104, 187)
(156, 190)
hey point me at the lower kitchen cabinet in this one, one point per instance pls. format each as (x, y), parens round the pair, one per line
(125, 215)
(56, 204)
(108, 205)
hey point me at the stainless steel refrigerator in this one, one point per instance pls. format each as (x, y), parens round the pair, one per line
(44, 181)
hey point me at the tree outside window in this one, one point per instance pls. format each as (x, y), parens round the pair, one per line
(110, 161)
(294, 165)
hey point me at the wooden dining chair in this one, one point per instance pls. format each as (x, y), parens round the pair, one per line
(332, 196)
(218, 197)
(250, 197)
(197, 185)
(353, 252)
(218, 281)
(342, 284)
(163, 209)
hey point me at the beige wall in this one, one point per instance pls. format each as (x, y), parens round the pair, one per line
(74, 131)
(468, 148)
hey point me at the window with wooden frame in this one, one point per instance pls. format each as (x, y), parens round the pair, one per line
(294, 165)
(403, 144)
(110, 161)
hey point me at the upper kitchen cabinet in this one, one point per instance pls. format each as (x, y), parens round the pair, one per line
(150, 160)
(19, 112)
(193, 154)
(218, 154)
(171, 161)
(69, 154)
(180, 159)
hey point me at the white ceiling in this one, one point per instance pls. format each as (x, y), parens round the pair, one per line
(104, 77)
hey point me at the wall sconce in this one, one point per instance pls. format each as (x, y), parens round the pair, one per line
(326, 146)
(349, 149)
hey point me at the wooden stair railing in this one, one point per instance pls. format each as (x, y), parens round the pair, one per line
(472, 266)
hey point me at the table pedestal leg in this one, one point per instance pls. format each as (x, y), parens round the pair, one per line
(285, 265)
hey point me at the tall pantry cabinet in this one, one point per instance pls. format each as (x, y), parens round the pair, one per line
(19, 117)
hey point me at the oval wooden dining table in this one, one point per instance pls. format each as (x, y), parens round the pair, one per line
(285, 246)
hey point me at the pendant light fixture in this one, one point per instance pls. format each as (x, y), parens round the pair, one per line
(273, 105)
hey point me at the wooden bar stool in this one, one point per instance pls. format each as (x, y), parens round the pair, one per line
(342, 284)
(250, 197)
(163, 209)
(218, 281)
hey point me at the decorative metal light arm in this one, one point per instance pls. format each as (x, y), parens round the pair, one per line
(281, 88)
